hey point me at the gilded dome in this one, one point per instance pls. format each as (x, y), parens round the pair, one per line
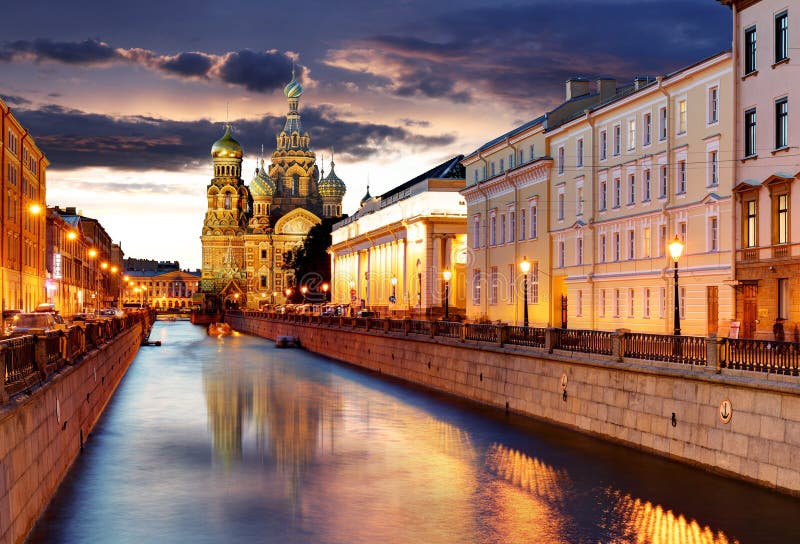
(366, 198)
(261, 185)
(293, 89)
(226, 147)
(331, 186)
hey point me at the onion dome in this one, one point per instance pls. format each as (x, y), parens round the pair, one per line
(293, 89)
(367, 197)
(226, 147)
(261, 185)
(331, 186)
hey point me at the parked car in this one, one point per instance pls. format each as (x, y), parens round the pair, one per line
(84, 316)
(112, 312)
(36, 323)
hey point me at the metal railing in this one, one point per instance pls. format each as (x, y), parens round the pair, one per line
(760, 356)
(753, 355)
(19, 364)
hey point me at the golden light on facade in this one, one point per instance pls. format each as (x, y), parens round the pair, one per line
(71, 235)
(447, 275)
(676, 248)
(114, 269)
(525, 265)
(35, 209)
(126, 278)
(104, 265)
(288, 291)
(92, 252)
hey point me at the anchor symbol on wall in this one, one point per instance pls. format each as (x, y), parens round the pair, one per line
(725, 411)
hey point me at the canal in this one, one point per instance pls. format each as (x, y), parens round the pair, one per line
(231, 440)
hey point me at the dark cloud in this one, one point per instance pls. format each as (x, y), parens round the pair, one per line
(87, 52)
(188, 65)
(255, 71)
(524, 53)
(13, 100)
(75, 139)
(415, 123)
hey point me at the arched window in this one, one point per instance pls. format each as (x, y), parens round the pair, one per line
(227, 201)
(295, 185)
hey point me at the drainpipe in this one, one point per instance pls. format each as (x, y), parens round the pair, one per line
(736, 106)
(593, 188)
(665, 271)
(485, 232)
(516, 232)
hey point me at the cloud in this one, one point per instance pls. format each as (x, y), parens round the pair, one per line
(14, 100)
(524, 53)
(259, 71)
(74, 139)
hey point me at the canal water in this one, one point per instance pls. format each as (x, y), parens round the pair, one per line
(230, 440)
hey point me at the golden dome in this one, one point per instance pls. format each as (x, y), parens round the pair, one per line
(226, 147)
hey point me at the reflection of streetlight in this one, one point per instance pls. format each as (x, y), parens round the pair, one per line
(447, 275)
(525, 266)
(304, 290)
(288, 293)
(274, 296)
(325, 288)
(675, 250)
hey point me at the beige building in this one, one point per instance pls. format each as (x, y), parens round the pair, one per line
(767, 186)
(650, 162)
(391, 255)
(23, 169)
(248, 230)
(162, 290)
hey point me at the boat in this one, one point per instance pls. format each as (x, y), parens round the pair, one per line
(287, 342)
(219, 329)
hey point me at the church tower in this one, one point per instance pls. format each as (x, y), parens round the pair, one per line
(331, 190)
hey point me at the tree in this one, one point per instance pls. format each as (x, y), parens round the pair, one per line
(311, 262)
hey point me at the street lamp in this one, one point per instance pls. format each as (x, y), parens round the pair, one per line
(675, 250)
(525, 266)
(325, 288)
(447, 275)
(288, 293)
(394, 289)
(304, 290)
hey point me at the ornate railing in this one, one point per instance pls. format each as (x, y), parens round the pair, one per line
(689, 350)
(480, 332)
(526, 336)
(584, 341)
(19, 364)
(760, 356)
(397, 325)
(448, 329)
(417, 326)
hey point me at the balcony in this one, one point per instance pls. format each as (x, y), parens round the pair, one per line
(768, 254)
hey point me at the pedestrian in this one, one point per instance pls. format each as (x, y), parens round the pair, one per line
(777, 330)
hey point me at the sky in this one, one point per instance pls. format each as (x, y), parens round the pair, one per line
(126, 99)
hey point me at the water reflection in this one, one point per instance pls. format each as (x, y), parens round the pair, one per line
(295, 448)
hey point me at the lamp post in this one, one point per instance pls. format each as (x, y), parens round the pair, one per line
(288, 293)
(675, 250)
(525, 266)
(304, 290)
(325, 288)
(447, 275)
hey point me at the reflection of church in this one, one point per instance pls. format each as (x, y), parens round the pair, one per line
(248, 229)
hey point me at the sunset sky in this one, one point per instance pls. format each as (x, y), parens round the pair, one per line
(126, 99)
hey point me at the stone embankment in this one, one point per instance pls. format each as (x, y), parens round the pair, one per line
(740, 423)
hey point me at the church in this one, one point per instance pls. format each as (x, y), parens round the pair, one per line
(248, 229)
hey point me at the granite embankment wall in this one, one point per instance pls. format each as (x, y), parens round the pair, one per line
(670, 410)
(42, 432)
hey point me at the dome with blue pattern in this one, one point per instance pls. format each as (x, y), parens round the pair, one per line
(293, 89)
(331, 186)
(261, 185)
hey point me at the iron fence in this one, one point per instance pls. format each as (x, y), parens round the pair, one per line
(526, 336)
(418, 326)
(448, 329)
(480, 332)
(760, 356)
(690, 350)
(19, 363)
(584, 341)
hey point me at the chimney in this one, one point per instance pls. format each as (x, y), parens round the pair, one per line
(70, 210)
(641, 81)
(606, 87)
(577, 86)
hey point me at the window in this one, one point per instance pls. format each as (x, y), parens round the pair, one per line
(561, 160)
(493, 230)
(579, 201)
(12, 174)
(476, 175)
(502, 165)
(662, 185)
(681, 178)
(662, 302)
(511, 284)
(631, 189)
(617, 302)
(534, 222)
(603, 145)
(646, 243)
(263, 253)
(617, 138)
(617, 252)
(647, 129)
(263, 281)
(662, 240)
(603, 198)
(683, 302)
(631, 302)
(631, 245)
(511, 161)
(561, 201)
(476, 286)
(617, 192)
(713, 234)
(750, 50)
(646, 185)
(602, 250)
(750, 133)
(631, 134)
(476, 232)
(681, 116)
(781, 123)
(781, 37)
(646, 303)
(713, 168)
(227, 201)
(493, 285)
(579, 252)
(533, 154)
(713, 105)
(492, 168)
(579, 153)
(522, 230)
(579, 303)
(662, 124)
(503, 229)
(534, 283)
(783, 219)
(783, 298)
(512, 226)
(561, 254)
(601, 303)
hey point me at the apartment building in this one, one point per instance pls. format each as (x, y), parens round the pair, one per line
(767, 165)
(649, 162)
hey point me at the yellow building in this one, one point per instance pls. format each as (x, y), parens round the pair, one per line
(248, 230)
(23, 170)
(651, 162)
(162, 289)
(392, 254)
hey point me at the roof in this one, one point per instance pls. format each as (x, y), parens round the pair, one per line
(539, 120)
(451, 168)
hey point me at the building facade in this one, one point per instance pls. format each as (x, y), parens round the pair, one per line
(391, 255)
(248, 230)
(767, 166)
(161, 289)
(23, 169)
